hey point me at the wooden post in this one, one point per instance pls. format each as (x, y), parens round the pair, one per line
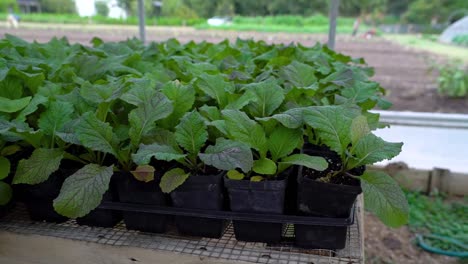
(332, 25)
(141, 20)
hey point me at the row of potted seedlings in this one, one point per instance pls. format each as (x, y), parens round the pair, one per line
(271, 129)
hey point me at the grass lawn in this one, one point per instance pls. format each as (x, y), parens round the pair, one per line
(430, 44)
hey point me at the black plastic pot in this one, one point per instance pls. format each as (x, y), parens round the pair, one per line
(328, 200)
(200, 192)
(137, 192)
(39, 198)
(103, 217)
(257, 197)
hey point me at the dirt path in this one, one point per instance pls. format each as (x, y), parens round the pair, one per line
(404, 72)
(384, 245)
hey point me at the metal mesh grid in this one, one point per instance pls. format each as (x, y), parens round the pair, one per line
(226, 247)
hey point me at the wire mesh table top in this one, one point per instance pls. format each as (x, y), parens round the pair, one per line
(227, 247)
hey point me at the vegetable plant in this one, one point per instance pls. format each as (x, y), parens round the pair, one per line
(185, 147)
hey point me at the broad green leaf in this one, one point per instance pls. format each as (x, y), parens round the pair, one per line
(10, 106)
(235, 175)
(313, 162)
(371, 149)
(173, 179)
(384, 197)
(42, 163)
(182, 97)
(269, 96)
(158, 151)
(144, 173)
(139, 92)
(191, 132)
(4, 168)
(237, 102)
(6, 193)
(359, 128)
(55, 117)
(83, 191)
(10, 150)
(332, 125)
(32, 106)
(215, 87)
(343, 77)
(101, 92)
(283, 141)
(96, 135)
(292, 118)
(257, 178)
(220, 125)
(299, 74)
(210, 112)
(240, 127)
(264, 166)
(228, 155)
(143, 118)
(360, 91)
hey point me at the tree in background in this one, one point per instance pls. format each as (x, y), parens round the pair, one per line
(425, 11)
(203, 8)
(101, 8)
(177, 8)
(58, 6)
(224, 8)
(6, 4)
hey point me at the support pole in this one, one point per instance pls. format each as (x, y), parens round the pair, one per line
(334, 4)
(141, 20)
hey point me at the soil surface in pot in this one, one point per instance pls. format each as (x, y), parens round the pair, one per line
(334, 164)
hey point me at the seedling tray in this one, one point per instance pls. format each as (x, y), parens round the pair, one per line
(227, 247)
(228, 215)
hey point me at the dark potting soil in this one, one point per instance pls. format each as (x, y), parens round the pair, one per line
(334, 164)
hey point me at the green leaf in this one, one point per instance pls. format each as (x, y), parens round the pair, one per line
(191, 132)
(228, 155)
(55, 117)
(215, 87)
(144, 173)
(96, 135)
(10, 150)
(238, 102)
(360, 91)
(264, 166)
(10, 106)
(143, 118)
(173, 179)
(283, 141)
(182, 97)
(384, 197)
(98, 93)
(313, 162)
(6, 193)
(42, 163)
(292, 118)
(240, 127)
(332, 125)
(4, 168)
(210, 112)
(32, 106)
(158, 151)
(343, 77)
(371, 149)
(299, 74)
(235, 175)
(257, 178)
(269, 96)
(83, 191)
(359, 128)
